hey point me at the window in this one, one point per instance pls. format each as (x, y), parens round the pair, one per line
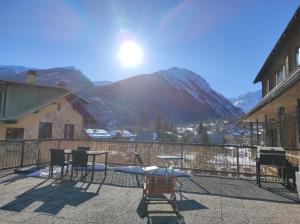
(267, 87)
(281, 75)
(69, 131)
(45, 130)
(14, 133)
(297, 57)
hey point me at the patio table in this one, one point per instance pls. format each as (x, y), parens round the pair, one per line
(93, 154)
(169, 161)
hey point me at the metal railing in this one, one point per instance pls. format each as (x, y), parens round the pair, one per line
(231, 160)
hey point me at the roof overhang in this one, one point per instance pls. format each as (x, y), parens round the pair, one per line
(291, 27)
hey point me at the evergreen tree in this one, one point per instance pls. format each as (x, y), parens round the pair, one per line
(158, 124)
(200, 129)
(204, 137)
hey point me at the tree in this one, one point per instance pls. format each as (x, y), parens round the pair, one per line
(158, 124)
(204, 137)
(200, 128)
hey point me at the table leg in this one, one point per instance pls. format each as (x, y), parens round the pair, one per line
(93, 168)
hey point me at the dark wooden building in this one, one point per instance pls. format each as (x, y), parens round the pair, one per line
(279, 109)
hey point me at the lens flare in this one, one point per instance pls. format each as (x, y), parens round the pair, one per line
(130, 54)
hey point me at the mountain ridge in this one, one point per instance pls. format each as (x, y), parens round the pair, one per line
(177, 94)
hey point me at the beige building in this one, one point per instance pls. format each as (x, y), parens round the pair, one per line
(30, 111)
(279, 109)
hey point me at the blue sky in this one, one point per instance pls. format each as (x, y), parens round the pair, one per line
(226, 42)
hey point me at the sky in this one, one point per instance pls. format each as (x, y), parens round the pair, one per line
(224, 41)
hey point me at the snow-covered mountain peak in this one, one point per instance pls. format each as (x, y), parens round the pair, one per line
(182, 78)
(247, 100)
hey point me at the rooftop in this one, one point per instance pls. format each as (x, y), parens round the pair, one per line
(116, 199)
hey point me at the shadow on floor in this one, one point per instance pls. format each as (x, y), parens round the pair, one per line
(51, 197)
(207, 185)
(6, 180)
(189, 205)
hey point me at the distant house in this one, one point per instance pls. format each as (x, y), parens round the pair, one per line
(31, 111)
(97, 134)
(145, 136)
(279, 109)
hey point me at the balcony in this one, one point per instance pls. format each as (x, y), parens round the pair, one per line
(222, 188)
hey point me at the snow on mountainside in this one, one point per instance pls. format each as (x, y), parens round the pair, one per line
(194, 84)
(178, 95)
(247, 101)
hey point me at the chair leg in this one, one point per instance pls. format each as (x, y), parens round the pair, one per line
(62, 171)
(52, 171)
(67, 168)
(85, 174)
(72, 172)
(50, 167)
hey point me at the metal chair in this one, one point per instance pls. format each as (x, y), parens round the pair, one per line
(57, 157)
(79, 159)
(84, 148)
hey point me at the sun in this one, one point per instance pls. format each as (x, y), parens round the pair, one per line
(130, 54)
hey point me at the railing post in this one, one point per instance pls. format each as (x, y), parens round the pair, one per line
(238, 161)
(149, 153)
(135, 147)
(181, 154)
(38, 160)
(22, 153)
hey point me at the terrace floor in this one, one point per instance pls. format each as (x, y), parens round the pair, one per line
(116, 199)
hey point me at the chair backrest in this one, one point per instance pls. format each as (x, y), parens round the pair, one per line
(160, 184)
(57, 157)
(79, 158)
(84, 148)
(138, 159)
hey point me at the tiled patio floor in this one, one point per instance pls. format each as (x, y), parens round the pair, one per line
(116, 199)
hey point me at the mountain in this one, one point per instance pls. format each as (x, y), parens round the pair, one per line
(74, 79)
(247, 101)
(101, 83)
(176, 94)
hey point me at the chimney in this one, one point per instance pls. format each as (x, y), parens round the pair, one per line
(61, 84)
(31, 76)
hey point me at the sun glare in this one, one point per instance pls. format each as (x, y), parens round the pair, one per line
(130, 54)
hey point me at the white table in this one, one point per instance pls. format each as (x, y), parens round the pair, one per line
(170, 161)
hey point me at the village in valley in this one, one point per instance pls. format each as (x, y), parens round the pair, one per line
(190, 109)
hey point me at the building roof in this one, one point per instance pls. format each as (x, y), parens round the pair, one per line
(292, 26)
(28, 98)
(97, 134)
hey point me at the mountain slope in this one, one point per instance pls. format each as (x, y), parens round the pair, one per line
(177, 95)
(75, 80)
(247, 101)
(101, 83)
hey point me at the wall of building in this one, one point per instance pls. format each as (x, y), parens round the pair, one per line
(50, 113)
(285, 56)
